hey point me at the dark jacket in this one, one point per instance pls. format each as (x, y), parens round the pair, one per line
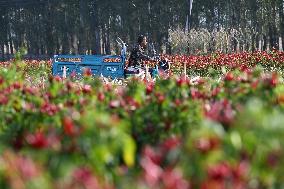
(137, 56)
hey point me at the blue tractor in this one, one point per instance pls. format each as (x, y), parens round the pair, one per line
(112, 66)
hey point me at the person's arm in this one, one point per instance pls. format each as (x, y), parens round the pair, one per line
(141, 55)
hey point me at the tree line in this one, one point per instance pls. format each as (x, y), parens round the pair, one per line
(47, 27)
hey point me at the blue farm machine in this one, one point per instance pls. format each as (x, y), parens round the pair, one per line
(110, 66)
(99, 65)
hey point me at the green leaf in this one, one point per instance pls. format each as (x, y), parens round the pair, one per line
(236, 140)
(129, 149)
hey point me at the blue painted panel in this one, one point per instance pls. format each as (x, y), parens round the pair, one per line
(108, 65)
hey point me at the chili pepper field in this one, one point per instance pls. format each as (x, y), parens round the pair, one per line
(220, 126)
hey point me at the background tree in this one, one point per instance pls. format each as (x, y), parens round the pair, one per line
(47, 27)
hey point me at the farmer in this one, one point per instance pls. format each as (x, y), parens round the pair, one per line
(136, 65)
(137, 55)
